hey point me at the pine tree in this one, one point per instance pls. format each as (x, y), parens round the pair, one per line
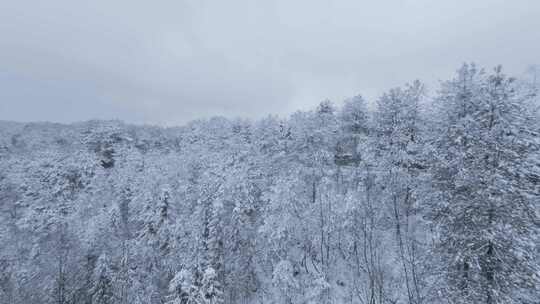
(154, 241)
(182, 289)
(211, 288)
(485, 214)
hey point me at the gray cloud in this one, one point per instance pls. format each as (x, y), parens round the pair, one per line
(167, 62)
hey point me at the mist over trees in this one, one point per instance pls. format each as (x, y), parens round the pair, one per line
(419, 200)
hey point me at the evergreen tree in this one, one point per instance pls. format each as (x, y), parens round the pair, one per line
(182, 290)
(486, 218)
(211, 287)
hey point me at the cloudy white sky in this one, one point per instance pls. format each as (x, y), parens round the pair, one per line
(167, 62)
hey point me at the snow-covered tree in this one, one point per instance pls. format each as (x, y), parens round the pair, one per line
(486, 216)
(400, 131)
(211, 289)
(182, 289)
(102, 290)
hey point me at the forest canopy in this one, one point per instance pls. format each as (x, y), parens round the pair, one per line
(417, 199)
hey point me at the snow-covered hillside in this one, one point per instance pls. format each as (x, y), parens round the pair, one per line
(335, 205)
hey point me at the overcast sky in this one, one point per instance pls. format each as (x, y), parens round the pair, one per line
(168, 62)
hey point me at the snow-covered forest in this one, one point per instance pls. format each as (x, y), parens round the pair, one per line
(411, 198)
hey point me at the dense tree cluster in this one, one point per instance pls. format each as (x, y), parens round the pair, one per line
(414, 200)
